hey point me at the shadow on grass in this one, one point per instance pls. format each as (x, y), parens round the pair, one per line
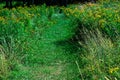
(68, 45)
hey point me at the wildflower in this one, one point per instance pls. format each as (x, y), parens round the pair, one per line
(111, 70)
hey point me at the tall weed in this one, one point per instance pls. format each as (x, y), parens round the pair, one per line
(100, 57)
(8, 58)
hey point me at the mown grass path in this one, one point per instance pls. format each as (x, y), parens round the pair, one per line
(55, 54)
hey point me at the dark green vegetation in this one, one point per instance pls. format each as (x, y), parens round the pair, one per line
(39, 43)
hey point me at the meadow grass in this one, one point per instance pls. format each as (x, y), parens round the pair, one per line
(32, 41)
(36, 43)
(98, 36)
(100, 56)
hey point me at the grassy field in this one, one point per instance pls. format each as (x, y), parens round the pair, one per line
(81, 43)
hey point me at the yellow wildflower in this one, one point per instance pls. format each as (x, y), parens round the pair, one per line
(111, 70)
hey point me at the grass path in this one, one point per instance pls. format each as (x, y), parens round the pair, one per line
(53, 56)
(57, 62)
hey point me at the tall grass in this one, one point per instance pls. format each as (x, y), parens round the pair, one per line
(4, 68)
(11, 64)
(98, 33)
(8, 58)
(21, 30)
(100, 56)
(20, 39)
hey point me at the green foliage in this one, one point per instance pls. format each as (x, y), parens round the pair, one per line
(10, 59)
(34, 42)
(98, 34)
(31, 37)
(105, 17)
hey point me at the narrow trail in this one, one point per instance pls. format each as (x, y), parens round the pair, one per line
(57, 62)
